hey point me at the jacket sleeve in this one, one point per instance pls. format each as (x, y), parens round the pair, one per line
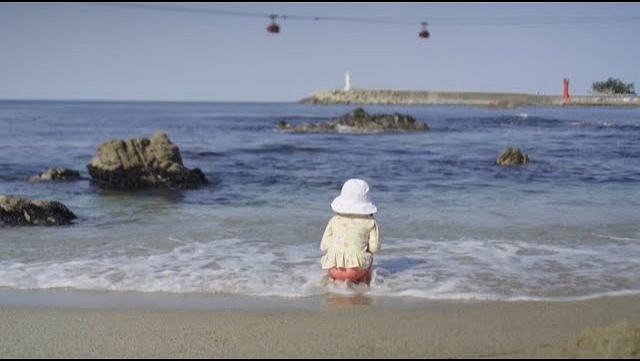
(374, 242)
(327, 236)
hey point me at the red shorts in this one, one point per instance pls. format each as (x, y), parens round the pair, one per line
(350, 274)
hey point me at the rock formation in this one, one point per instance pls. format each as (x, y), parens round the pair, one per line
(359, 121)
(512, 156)
(55, 174)
(142, 163)
(16, 211)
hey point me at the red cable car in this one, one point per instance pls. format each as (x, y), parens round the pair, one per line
(424, 33)
(273, 27)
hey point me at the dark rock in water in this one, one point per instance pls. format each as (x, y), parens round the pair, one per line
(15, 211)
(512, 156)
(142, 163)
(56, 174)
(359, 121)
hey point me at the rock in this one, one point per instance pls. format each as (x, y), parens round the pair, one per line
(359, 121)
(56, 174)
(142, 163)
(512, 156)
(15, 211)
(501, 104)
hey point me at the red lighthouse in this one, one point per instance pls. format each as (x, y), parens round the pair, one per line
(565, 90)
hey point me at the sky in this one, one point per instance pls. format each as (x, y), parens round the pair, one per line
(216, 51)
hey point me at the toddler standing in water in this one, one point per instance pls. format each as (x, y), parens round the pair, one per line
(351, 236)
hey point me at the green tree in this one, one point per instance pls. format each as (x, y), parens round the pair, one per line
(612, 86)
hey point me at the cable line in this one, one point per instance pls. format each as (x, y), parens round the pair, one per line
(274, 27)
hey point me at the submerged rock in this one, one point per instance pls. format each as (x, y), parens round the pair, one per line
(512, 156)
(142, 163)
(56, 174)
(16, 211)
(359, 121)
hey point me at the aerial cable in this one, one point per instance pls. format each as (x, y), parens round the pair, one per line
(274, 27)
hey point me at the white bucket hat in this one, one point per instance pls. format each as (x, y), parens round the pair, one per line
(354, 198)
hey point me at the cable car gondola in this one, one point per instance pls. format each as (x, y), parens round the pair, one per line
(424, 33)
(273, 27)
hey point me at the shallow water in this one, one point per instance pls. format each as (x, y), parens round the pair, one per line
(453, 224)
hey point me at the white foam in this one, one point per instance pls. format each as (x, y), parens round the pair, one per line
(444, 269)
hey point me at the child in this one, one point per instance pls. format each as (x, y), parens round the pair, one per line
(351, 236)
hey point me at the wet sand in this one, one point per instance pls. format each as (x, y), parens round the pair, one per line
(342, 327)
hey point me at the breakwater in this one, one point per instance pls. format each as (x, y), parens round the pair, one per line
(485, 99)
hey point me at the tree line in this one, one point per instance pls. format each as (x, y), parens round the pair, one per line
(612, 86)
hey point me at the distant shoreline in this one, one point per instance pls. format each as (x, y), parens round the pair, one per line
(483, 99)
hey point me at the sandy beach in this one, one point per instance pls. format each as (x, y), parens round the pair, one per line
(345, 327)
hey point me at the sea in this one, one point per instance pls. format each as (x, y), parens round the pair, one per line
(453, 224)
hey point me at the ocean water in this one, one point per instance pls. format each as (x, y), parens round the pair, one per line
(453, 225)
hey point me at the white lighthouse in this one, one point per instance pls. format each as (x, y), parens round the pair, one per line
(347, 81)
